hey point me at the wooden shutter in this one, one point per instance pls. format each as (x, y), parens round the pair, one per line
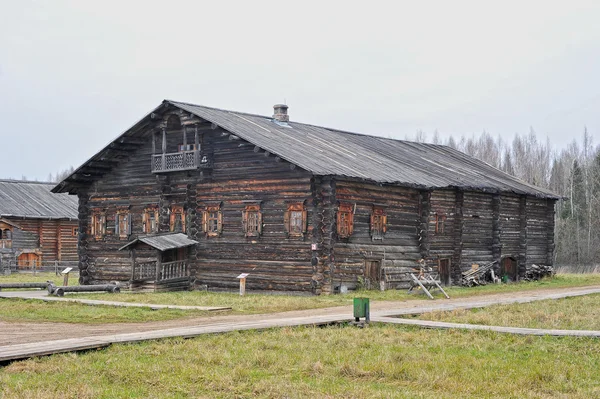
(260, 224)
(245, 222)
(219, 221)
(286, 222)
(205, 221)
(129, 224)
(304, 221)
(384, 223)
(117, 224)
(145, 221)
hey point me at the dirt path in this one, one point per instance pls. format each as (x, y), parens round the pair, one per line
(19, 333)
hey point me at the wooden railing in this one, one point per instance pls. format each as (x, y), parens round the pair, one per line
(144, 271)
(171, 270)
(183, 160)
(151, 272)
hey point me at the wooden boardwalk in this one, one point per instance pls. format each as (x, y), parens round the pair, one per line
(42, 295)
(23, 351)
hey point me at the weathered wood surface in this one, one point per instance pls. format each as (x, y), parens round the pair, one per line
(25, 285)
(40, 295)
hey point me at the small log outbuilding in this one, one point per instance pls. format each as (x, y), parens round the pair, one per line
(299, 207)
(35, 225)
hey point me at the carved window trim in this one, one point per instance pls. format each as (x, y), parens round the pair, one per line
(345, 220)
(440, 223)
(176, 213)
(378, 222)
(147, 220)
(98, 225)
(295, 220)
(252, 220)
(123, 223)
(212, 220)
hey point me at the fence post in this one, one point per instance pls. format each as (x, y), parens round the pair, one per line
(34, 265)
(56, 267)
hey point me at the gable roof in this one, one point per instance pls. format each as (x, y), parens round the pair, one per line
(27, 199)
(325, 151)
(163, 242)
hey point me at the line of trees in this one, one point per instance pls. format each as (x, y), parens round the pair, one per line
(573, 172)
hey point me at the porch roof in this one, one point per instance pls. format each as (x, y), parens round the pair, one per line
(163, 242)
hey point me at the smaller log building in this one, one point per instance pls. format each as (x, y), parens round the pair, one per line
(206, 193)
(35, 225)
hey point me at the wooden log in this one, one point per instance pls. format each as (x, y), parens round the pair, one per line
(60, 291)
(25, 285)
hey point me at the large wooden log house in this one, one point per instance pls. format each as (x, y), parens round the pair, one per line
(210, 193)
(35, 225)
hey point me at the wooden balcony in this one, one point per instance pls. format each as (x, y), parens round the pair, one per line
(178, 161)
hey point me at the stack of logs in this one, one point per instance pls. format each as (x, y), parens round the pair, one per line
(480, 276)
(537, 272)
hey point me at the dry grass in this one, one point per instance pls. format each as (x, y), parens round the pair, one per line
(377, 362)
(575, 313)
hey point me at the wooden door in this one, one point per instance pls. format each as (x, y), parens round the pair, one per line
(444, 271)
(508, 267)
(372, 273)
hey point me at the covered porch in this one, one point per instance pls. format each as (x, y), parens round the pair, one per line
(160, 262)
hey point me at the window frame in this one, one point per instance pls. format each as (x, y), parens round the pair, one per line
(74, 231)
(440, 223)
(98, 224)
(146, 221)
(252, 209)
(345, 219)
(291, 215)
(378, 222)
(174, 211)
(123, 231)
(206, 220)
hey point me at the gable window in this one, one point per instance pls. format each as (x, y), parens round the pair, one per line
(123, 223)
(345, 220)
(177, 219)
(212, 220)
(295, 219)
(378, 223)
(186, 147)
(98, 227)
(5, 238)
(440, 223)
(150, 220)
(75, 231)
(252, 220)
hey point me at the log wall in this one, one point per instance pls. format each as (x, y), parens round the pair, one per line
(398, 251)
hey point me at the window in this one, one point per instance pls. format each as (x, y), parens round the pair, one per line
(345, 220)
(177, 219)
(440, 222)
(98, 227)
(294, 220)
(186, 147)
(378, 223)
(123, 223)
(212, 220)
(75, 231)
(252, 220)
(150, 220)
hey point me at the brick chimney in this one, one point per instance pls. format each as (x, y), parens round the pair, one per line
(280, 113)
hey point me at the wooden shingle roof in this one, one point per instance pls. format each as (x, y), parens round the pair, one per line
(27, 199)
(324, 151)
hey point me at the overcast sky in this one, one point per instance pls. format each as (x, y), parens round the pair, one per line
(75, 74)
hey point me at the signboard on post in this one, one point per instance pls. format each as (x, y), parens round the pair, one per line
(66, 274)
(242, 278)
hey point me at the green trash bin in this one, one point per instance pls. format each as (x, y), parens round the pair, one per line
(361, 308)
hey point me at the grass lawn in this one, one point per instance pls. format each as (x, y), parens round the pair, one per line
(40, 277)
(576, 313)
(381, 361)
(29, 310)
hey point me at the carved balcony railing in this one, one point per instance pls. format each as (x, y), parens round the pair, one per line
(183, 160)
